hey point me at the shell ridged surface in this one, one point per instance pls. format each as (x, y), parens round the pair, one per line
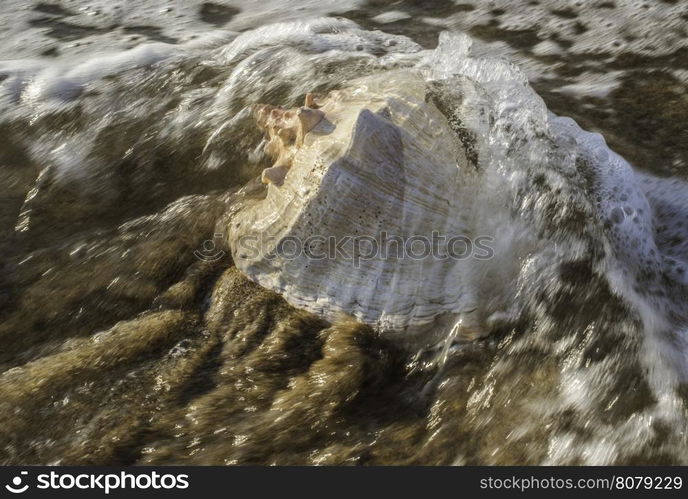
(383, 160)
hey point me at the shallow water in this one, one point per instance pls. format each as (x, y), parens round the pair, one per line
(128, 336)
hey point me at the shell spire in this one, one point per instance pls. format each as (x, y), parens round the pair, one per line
(285, 132)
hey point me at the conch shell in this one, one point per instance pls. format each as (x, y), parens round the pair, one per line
(376, 158)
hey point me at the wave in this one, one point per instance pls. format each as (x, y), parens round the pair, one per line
(585, 296)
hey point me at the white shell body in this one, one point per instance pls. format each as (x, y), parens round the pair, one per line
(382, 161)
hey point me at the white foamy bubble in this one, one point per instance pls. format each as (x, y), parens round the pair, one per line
(65, 79)
(391, 16)
(593, 85)
(547, 47)
(311, 33)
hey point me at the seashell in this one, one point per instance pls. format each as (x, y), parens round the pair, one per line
(373, 161)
